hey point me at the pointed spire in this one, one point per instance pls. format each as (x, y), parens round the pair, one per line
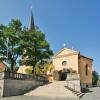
(31, 25)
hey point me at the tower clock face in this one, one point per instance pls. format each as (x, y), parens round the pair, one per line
(64, 63)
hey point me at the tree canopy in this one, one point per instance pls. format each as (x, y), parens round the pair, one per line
(18, 45)
(36, 48)
(9, 42)
(95, 77)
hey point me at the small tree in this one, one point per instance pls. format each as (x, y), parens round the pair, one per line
(28, 70)
(94, 77)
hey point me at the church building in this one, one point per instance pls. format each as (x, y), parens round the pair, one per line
(67, 58)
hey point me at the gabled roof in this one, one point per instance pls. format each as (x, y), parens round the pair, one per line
(86, 57)
(65, 51)
(6, 65)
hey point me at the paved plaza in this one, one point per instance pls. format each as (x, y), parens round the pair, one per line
(55, 91)
(93, 94)
(35, 98)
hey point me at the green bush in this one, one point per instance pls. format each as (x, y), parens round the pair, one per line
(28, 71)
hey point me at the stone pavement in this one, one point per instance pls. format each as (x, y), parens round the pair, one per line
(52, 91)
(35, 98)
(93, 94)
(55, 89)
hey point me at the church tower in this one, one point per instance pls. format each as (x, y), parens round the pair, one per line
(31, 25)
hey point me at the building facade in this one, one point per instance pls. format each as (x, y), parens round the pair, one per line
(3, 67)
(98, 81)
(70, 59)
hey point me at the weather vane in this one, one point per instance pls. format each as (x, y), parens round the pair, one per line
(64, 45)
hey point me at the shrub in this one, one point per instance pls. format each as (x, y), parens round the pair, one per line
(28, 70)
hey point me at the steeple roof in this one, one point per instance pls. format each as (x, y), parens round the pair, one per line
(31, 25)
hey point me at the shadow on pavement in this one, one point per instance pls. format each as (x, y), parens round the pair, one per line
(86, 90)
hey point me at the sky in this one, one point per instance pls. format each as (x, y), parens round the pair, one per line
(75, 23)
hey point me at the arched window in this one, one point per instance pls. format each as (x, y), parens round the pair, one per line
(64, 63)
(86, 69)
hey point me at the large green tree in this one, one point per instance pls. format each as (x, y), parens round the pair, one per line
(35, 47)
(22, 45)
(9, 42)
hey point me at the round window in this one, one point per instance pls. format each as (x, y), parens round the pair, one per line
(64, 63)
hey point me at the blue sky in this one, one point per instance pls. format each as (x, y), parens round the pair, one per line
(74, 22)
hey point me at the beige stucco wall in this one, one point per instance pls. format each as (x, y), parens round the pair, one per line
(22, 69)
(66, 51)
(76, 62)
(2, 66)
(72, 62)
(85, 79)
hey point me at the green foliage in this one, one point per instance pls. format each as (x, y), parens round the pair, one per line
(35, 49)
(24, 46)
(15, 69)
(9, 39)
(95, 77)
(44, 66)
(28, 70)
(49, 67)
(70, 70)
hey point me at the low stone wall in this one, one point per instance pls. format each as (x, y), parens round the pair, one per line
(73, 81)
(98, 83)
(86, 85)
(74, 84)
(73, 76)
(17, 87)
(12, 84)
(1, 87)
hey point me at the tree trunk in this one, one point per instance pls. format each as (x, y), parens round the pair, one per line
(34, 69)
(12, 66)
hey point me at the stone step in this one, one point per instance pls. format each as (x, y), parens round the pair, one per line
(81, 95)
(77, 93)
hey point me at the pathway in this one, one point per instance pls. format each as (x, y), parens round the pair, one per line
(93, 94)
(54, 89)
